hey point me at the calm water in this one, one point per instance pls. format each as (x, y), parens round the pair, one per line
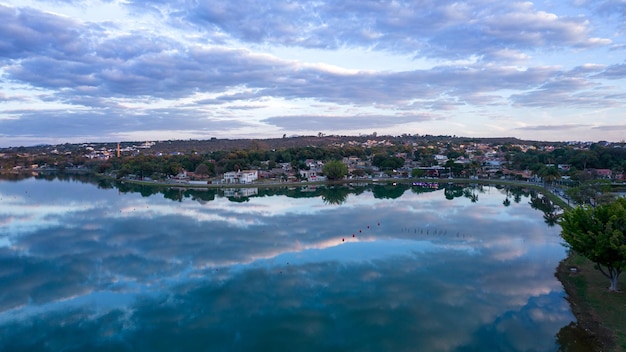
(88, 268)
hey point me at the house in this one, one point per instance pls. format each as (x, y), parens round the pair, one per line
(309, 175)
(239, 177)
(603, 173)
(563, 167)
(441, 159)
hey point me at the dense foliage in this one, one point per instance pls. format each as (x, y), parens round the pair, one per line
(599, 234)
(335, 170)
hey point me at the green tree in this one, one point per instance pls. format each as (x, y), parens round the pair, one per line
(417, 173)
(387, 162)
(600, 235)
(550, 174)
(335, 170)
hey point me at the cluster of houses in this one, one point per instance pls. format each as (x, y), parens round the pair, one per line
(479, 161)
(475, 159)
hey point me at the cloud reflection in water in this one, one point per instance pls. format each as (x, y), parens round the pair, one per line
(131, 273)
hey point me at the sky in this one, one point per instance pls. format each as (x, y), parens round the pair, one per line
(76, 71)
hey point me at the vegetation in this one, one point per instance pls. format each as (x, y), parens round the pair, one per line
(335, 170)
(599, 234)
(600, 322)
(592, 192)
(398, 156)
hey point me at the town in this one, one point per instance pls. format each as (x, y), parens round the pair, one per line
(297, 159)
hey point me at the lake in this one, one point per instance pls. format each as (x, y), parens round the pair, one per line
(87, 266)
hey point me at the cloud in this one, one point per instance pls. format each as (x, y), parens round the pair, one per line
(610, 127)
(605, 7)
(212, 60)
(96, 123)
(432, 29)
(573, 88)
(553, 127)
(26, 32)
(344, 123)
(617, 71)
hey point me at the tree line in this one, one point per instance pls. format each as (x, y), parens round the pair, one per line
(150, 163)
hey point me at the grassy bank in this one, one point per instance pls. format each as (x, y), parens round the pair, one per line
(602, 314)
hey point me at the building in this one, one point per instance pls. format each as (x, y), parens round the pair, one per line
(241, 177)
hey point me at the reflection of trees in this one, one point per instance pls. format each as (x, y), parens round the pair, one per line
(551, 212)
(453, 191)
(515, 193)
(551, 218)
(335, 195)
(574, 338)
(518, 193)
(507, 193)
(105, 184)
(205, 196)
(239, 199)
(145, 191)
(175, 194)
(389, 191)
(420, 189)
(471, 194)
(43, 176)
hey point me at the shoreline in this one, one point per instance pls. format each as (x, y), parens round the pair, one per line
(590, 323)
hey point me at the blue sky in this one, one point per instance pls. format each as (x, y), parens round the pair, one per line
(119, 70)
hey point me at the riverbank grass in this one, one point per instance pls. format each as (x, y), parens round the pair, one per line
(599, 311)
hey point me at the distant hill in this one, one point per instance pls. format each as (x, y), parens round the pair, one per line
(214, 144)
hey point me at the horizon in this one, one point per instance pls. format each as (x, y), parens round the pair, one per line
(113, 70)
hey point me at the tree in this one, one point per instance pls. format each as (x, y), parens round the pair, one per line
(387, 162)
(202, 170)
(417, 173)
(335, 170)
(550, 174)
(600, 235)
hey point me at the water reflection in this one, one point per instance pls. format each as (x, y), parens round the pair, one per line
(381, 268)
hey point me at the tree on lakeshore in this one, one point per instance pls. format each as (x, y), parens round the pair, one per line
(335, 170)
(417, 173)
(600, 235)
(550, 174)
(202, 170)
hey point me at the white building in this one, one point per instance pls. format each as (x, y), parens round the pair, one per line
(441, 159)
(245, 176)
